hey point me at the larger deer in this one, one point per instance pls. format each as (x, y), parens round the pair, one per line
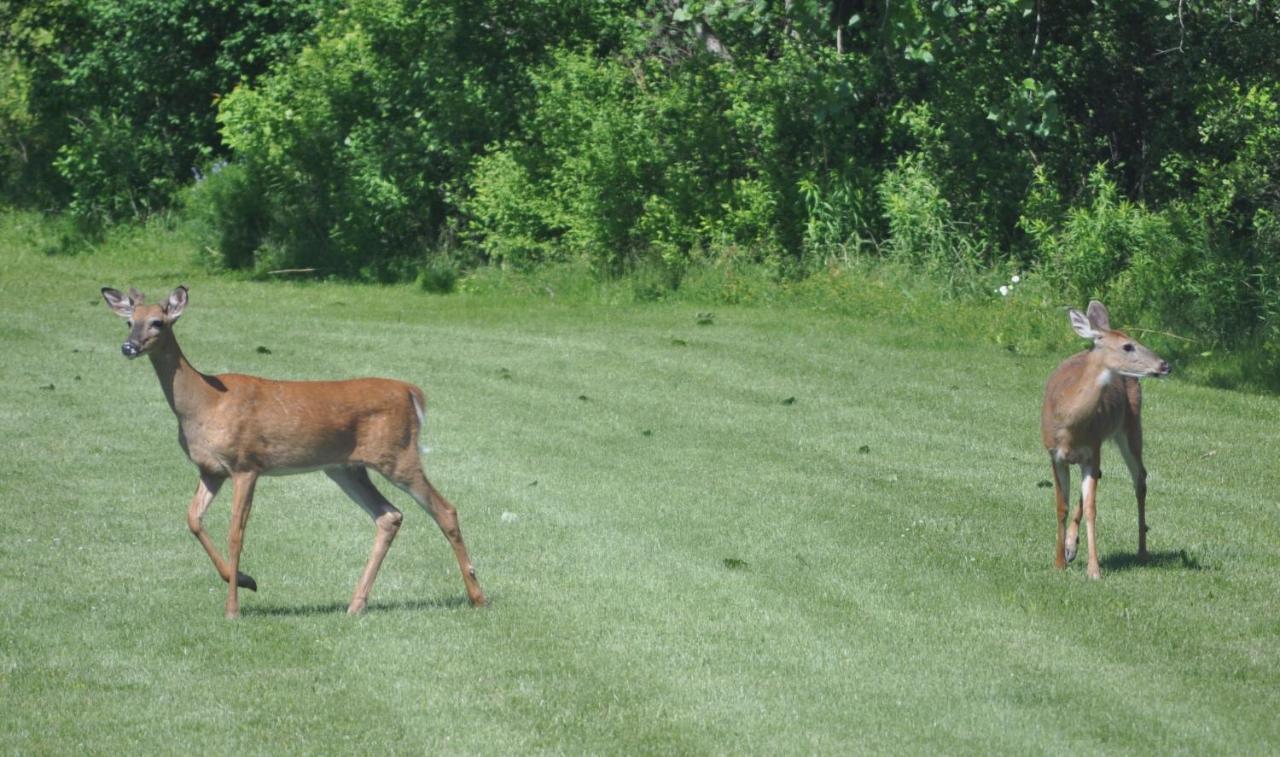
(1092, 396)
(241, 427)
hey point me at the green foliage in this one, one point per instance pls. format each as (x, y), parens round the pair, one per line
(511, 221)
(120, 94)
(1125, 150)
(837, 224)
(438, 276)
(366, 138)
(615, 171)
(923, 229)
(227, 207)
(116, 170)
(16, 120)
(630, 160)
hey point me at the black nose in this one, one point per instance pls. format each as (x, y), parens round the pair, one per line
(129, 350)
(1164, 368)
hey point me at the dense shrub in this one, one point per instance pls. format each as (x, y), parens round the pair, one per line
(923, 230)
(1129, 150)
(366, 140)
(117, 97)
(620, 162)
(628, 160)
(229, 209)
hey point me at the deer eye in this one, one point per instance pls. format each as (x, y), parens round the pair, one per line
(1128, 347)
(157, 325)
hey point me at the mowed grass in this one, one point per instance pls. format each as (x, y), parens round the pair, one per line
(781, 532)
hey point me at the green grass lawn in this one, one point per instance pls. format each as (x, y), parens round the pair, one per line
(680, 558)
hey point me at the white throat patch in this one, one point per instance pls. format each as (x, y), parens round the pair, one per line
(1105, 377)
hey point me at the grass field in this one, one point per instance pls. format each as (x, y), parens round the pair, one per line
(785, 531)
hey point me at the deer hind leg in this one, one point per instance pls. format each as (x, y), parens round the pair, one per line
(446, 517)
(355, 482)
(206, 489)
(1088, 503)
(242, 493)
(1061, 495)
(1130, 444)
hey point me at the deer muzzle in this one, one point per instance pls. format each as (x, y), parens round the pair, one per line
(130, 350)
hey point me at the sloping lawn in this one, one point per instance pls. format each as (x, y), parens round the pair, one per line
(782, 531)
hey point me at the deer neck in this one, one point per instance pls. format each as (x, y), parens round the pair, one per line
(1092, 383)
(186, 389)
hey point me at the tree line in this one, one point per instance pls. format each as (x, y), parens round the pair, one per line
(1128, 150)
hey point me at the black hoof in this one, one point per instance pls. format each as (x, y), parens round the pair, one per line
(245, 581)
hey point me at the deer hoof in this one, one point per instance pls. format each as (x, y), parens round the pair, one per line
(1095, 574)
(245, 581)
(1070, 552)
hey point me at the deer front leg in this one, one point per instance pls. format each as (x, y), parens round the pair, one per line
(242, 494)
(1073, 532)
(206, 489)
(1088, 503)
(1061, 495)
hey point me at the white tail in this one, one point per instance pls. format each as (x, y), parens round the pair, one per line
(241, 427)
(1092, 396)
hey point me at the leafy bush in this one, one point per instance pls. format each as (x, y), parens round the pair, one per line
(511, 220)
(230, 209)
(366, 138)
(625, 161)
(923, 231)
(623, 167)
(116, 170)
(16, 120)
(119, 94)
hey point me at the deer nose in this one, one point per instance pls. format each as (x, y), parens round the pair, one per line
(129, 349)
(1165, 368)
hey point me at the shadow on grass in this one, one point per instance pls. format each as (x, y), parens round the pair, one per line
(1168, 559)
(340, 608)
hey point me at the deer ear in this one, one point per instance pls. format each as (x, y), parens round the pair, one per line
(176, 303)
(120, 305)
(1099, 316)
(1082, 326)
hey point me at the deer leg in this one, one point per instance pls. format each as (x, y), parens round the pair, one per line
(1061, 495)
(355, 482)
(206, 489)
(1130, 444)
(1073, 531)
(1088, 503)
(242, 494)
(446, 518)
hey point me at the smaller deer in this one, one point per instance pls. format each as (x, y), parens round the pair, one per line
(240, 427)
(1092, 396)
